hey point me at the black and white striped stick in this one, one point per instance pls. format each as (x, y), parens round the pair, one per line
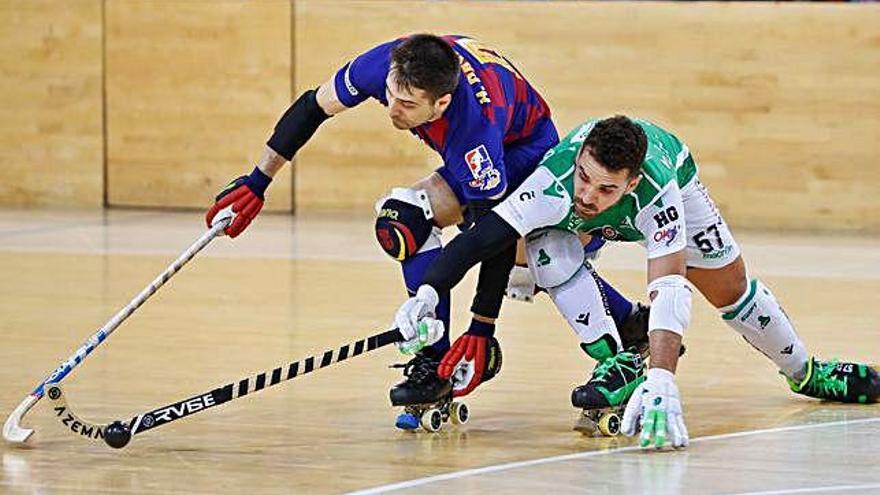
(220, 395)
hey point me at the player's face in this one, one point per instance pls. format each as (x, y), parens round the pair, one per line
(412, 107)
(596, 188)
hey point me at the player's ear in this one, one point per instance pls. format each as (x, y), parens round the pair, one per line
(442, 102)
(633, 182)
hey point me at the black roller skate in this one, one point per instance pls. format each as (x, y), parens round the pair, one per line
(838, 381)
(427, 400)
(634, 331)
(603, 398)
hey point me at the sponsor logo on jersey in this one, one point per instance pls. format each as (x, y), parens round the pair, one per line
(486, 176)
(668, 234)
(718, 253)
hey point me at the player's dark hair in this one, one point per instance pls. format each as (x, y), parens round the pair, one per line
(425, 62)
(617, 143)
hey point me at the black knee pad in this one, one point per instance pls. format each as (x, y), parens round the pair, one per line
(401, 228)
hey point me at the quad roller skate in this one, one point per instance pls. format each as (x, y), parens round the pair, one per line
(839, 381)
(603, 398)
(427, 399)
(431, 417)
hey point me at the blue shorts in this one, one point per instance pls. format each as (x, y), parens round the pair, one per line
(520, 160)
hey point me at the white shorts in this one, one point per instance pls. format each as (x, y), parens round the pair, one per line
(710, 244)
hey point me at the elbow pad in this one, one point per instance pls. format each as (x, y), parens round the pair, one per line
(297, 125)
(670, 304)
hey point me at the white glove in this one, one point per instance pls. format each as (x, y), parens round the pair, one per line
(655, 407)
(415, 321)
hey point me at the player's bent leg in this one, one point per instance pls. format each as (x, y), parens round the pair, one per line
(407, 229)
(752, 310)
(618, 370)
(758, 316)
(579, 295)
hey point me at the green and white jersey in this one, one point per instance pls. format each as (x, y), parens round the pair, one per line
(650, 214)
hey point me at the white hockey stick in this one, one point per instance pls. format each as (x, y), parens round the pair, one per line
(12, 429)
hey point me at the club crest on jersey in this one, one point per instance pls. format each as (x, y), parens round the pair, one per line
(609, 233)
(486, 176)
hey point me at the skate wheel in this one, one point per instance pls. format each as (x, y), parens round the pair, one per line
(609, 424)
(459, 413)
(407, 421)
(432, 420)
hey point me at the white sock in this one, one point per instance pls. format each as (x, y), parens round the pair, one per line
(584, 305)
(759, 317)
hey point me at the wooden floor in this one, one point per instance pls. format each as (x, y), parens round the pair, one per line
(291, 287)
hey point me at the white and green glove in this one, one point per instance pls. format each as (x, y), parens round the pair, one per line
(416, 321)
(655, 407)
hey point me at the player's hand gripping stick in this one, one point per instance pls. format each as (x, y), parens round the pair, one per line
(244, 196)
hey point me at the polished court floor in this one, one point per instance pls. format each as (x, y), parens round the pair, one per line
(289, 288)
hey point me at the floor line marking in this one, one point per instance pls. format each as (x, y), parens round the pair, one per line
(593, 453)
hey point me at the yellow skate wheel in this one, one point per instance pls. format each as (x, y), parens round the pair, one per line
(609, 424)
(432, 420)
(459, 413)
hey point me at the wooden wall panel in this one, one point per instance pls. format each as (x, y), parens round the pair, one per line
(780, 103)
(193, 90)
(51, 149)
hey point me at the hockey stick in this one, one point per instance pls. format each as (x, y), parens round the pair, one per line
(121, 433)
(12, 429)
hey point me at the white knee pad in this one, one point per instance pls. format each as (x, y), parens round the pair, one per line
(760, 319)
(554, 256)
(584, 305)
(670, 304)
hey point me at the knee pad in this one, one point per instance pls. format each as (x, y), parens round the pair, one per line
(554, 256)
(403, 223)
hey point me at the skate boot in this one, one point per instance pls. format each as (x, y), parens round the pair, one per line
(427, 400)
(634, 331)
(604, 397)
(838, 381)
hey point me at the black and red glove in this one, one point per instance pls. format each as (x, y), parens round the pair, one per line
(245, 196)
(474, 358)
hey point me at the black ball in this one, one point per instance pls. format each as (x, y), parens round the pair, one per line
(117, 435)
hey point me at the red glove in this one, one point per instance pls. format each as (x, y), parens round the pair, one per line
(472, 360)
(245, 195)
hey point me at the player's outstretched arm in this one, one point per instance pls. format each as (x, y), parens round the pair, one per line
(245, 195)
(655, 406)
